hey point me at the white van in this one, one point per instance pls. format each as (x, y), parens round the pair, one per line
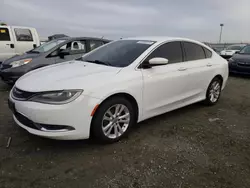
(17, 40)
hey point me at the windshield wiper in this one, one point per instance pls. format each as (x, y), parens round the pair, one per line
(99, 62)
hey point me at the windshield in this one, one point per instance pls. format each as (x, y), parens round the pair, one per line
(47, 46)
(245, 50)
(234, 47)
(120, 53)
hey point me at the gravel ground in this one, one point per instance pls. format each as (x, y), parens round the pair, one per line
(196, 146)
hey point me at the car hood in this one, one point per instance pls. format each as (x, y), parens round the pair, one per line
(68, 75)
(20, 57)
(242, 57)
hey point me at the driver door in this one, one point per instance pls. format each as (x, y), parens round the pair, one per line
(165, 86)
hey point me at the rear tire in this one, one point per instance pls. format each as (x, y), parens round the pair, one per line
(113, 119)
(213, 92)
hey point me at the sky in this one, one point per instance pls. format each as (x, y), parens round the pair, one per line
(113, 19)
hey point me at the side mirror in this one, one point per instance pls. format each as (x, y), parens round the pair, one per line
(63, 53)
(157, 61)
(237, 52)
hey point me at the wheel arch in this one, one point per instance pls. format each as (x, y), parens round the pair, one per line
(128, 96)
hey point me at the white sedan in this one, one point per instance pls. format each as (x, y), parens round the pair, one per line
(106, 92)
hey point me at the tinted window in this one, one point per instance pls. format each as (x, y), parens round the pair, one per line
(193, 51)
(119, 53)
(23, 35)
(95, 44)
(171, 51)
(4, 34)
(207, 52)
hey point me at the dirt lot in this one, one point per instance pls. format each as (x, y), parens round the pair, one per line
(196, 146)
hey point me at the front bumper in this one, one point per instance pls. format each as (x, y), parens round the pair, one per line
(75, 117)
(10, 76)
(238, 69)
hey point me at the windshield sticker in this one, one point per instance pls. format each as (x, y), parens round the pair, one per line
(145, 42)
(3, 31)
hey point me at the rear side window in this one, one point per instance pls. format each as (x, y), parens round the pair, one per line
(193, 51)
(23, 34)
(208, 53)
(95, 44)
(4, 34)
(171, 51)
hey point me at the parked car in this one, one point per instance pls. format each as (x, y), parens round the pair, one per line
(104, 93)
(240, 62)
(55, 51)
(231, 50)
(15, 40)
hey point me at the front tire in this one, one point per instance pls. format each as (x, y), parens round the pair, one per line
(113, 120)
(213, 91)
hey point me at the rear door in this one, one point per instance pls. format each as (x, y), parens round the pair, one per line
(7, 47)
(24, 40)
(200, 67)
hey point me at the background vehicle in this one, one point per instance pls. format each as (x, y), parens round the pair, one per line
(55, 51)
(240, 62)
(15, 40)
(110, 89)
(230, 50)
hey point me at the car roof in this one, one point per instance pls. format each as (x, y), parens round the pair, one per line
(82, 38)
(159, 38)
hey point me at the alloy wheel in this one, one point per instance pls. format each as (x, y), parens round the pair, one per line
(115, 121)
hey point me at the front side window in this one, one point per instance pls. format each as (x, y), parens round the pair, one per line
(193, 51)
(23, 34)
(78, 45)
(4, 34)
(120, 53)
(95, 44)
(171, 51)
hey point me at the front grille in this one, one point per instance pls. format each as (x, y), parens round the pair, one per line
(19, 94)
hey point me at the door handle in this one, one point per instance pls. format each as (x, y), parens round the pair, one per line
(209, 65)
(182, 69)
(11, 45)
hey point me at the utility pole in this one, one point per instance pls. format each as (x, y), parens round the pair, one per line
(221, 27)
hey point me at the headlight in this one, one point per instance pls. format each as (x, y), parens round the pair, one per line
(20, 62)
(57, 97)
